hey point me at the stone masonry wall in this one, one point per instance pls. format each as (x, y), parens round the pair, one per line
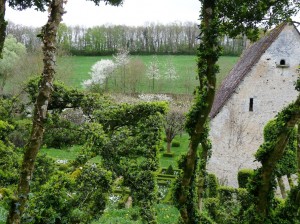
(236, 132)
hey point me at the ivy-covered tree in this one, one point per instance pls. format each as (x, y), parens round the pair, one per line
(48, 36)
(272, 155)
(217, 18)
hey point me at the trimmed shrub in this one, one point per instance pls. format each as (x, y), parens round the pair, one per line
(212, 185)
(175, 144)
(244, 177)
(170, 170)
(168, 154)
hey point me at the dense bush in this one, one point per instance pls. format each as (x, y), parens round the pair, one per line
(9, 165)
(62, 133)
(20, 135)
(65, 199)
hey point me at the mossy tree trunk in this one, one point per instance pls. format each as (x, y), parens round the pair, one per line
(48, 36)
(3, 25)
(168, 146)
(298, 152)
(267, 171)
(208, 54)
(204, 155)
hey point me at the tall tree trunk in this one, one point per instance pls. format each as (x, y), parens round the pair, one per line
(3, 25)
(204, 154)
(269, 164)
(208, 54)
(48, 36)
(298, 152)
(169, 146)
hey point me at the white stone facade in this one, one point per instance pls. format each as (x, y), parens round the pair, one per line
(236, 131)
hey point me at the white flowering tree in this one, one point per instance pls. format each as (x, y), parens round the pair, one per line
(99, 73)
(170, 71)
(153, 71)
(121, 59)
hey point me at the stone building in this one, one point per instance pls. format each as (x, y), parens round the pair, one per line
(259, 86)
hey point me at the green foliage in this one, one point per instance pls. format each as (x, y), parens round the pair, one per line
(212, 185)
(134, 133)
(175, 144)
(226, 193)
(212, 206)
(12, 53)
(68, 198)
(52, 203)
(10, 161)
(289, 212)
(272, 131)
(92, 188)
(20, 134)
(6, 106)
(287, 165)
(44, 169)
(5, 129)
(61, 98)
(61, 132)
(244, 176)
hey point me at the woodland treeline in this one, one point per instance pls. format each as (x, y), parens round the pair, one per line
(152, 38)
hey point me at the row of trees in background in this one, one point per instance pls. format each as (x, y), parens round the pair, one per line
(152, 38)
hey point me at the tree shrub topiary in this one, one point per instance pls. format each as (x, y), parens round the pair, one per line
(170, 170)
(211, 185)
(244, 176)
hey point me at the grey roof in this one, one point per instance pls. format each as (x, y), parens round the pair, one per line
(248, 59)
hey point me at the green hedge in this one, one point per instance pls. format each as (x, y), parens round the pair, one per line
(175, 144)
(244, 177)
(168, 154)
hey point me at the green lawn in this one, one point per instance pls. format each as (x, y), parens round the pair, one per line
(166, 214)
(68, 154)
(71, 153)
(75, 69)
(165, 162)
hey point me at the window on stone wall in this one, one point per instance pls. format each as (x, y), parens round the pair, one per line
(282, 62)
(251, 104)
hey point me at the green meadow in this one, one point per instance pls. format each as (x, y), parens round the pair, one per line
(75, 69)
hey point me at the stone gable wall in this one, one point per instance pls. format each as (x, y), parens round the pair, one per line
(236, 132)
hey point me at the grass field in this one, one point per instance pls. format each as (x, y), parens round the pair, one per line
(74, 70)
